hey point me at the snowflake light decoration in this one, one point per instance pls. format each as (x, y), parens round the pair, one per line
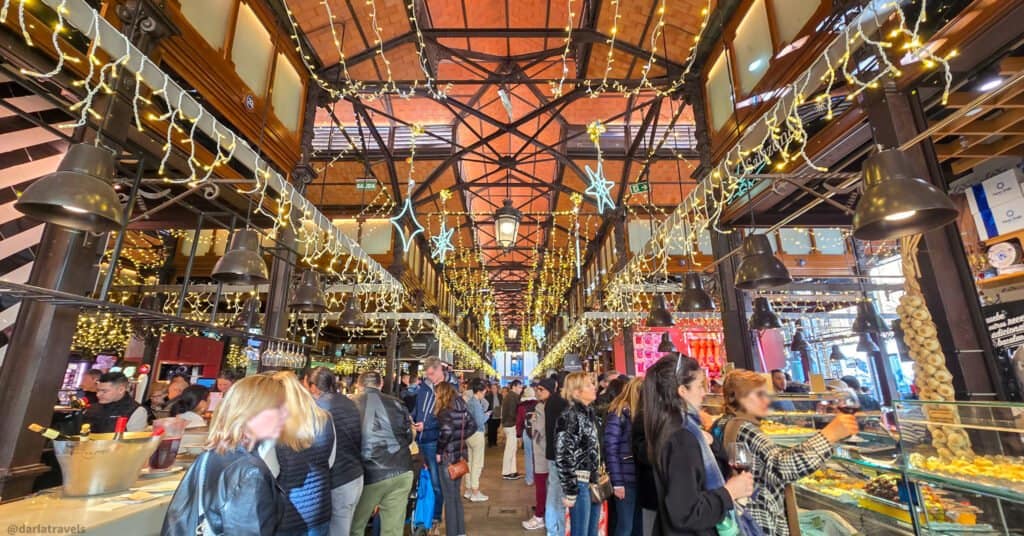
(442, 242)
(396, 220)
(600, 187)
(538, 333)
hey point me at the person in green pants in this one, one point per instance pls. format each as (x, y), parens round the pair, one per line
(387, 461)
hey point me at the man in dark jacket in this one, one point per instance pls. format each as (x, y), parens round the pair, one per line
(387, 462)
(493, 398)
(113, 401)
(347, 471)
(427, 426)
(508, 426)
(554, 510)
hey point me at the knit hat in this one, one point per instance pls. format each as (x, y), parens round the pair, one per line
(548, 383)
(529, 394)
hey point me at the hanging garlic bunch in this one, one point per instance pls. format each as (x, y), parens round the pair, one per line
(932, 378)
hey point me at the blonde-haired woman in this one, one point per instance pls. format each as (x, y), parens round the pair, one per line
(577, 453)
(618, 435)
(230, 490)
(747, 401)
(305, 454)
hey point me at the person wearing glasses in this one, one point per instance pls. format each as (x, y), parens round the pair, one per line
(693, 496)
(747, 401)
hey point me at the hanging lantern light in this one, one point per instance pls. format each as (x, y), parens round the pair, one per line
(79, 195)
(659, 316)
(799, 342)
(694, 298)
(249, 314)
(759, 267)
(352, 316)
(666, 345)
(868, 320)
(836, 354)
(506, 225)
(763, 317)
(308, 296)
(866, 344)
(895, 203)
(242, 262)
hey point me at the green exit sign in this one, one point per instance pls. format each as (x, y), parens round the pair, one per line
(366, 183)
(639, 187)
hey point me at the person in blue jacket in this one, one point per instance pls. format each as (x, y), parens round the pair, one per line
(427, 427)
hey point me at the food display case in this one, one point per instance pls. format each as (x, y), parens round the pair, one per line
(973, 451)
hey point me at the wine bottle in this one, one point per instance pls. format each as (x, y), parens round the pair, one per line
(119, 427)
(50, 433)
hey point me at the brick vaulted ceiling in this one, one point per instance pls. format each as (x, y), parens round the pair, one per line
(531, 146)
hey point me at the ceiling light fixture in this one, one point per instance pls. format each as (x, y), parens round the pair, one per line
(666, 346)
(799, 342)
(759, 267)
(763, 317)
(836, 354)
(868, 320)
(659, 315)
(242, 262)
(506, 225)
(866, 345)
(694, 298)
(352, 316)
(895, 202)
(78, 195)
(308, 296)
(990, 84)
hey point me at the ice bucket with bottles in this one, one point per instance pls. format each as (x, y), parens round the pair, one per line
(99, 466)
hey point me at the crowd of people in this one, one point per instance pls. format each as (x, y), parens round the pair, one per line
(291, 454)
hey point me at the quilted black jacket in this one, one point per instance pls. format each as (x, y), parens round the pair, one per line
(576, 451)
(456, 425)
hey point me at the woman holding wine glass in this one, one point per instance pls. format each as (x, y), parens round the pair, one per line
(747, 401)
(693, 496)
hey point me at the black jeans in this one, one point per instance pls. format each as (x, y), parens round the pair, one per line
(492, 432)
(454, 516)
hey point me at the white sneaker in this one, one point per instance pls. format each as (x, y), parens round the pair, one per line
(467, 495)
(478, 497)
(534, 523)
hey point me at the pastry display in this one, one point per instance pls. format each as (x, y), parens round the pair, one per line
(1000, 471)
(772, 428)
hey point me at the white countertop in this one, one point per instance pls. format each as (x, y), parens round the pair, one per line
(50, 512)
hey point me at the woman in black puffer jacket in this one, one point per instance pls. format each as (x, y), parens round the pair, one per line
(577, 453)
(455, 425)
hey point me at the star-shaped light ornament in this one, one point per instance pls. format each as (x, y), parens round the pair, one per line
(600, 187)
(442, 242)
(396, 220)
(538, 333)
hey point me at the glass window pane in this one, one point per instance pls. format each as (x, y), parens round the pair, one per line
(719, 92)
(209, 18)
(752, 47)
(252, 50)
(287, 98)
(830, 241)
(791, 16)
(795, 241)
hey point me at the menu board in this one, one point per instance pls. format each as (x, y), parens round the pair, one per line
(1005, 323)
(699, 341)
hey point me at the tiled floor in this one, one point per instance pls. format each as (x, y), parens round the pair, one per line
(511, 501)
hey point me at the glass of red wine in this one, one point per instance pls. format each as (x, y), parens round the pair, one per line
(849, 404)
(740, 459)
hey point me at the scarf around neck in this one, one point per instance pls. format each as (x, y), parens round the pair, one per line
(713, 478)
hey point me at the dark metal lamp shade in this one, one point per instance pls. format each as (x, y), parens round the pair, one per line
(837, 354)
(895, 203)
(308, 296)
(242, 262)
(249, 315)
(79, 195)
(759, 267)
(866, 344)
(763, 317)
(506, 225)
(666, 343)
(352, 316)
(659, 316)
(694, 298)
(799, 342)
(868, 320)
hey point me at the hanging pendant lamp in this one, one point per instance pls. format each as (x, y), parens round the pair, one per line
(249, 314)
(868, 320)
(694, 298)
(79, 195)
(606, 342)
(895, 202)
(352, 316)
(866, 344)
(308, 296)
(666, 345)
(799, 342)
(659, 316)
(242, 262)
(506, 225)
(759, 267)
(763, 317)
(837, 354)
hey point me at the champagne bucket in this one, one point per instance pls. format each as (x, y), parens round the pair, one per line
(96, 467)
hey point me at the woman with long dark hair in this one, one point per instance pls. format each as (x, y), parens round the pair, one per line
(455, 425)
(693, 498)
